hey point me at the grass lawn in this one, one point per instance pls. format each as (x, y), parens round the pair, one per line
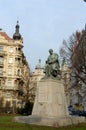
(6, 123)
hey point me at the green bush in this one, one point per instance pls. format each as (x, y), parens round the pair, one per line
(27, 109)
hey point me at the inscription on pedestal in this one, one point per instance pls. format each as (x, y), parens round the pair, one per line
(59, 99)
(42, 95)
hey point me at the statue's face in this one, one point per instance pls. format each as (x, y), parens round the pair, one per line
(51, 51)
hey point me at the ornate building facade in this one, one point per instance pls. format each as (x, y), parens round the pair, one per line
(35, 77)
(14, 69)
(65, 74)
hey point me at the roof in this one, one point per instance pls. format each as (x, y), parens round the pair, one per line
(5, 36)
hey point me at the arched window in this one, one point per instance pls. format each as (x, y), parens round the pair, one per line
(19, 72)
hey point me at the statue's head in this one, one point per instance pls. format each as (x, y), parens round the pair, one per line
(50, 51)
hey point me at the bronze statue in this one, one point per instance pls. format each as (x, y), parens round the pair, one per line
(52, 67)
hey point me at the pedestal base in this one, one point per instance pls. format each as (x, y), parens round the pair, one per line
(50, 121)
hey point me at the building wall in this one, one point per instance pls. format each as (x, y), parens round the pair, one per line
(12, 70)
(65, 74)
(35, 77)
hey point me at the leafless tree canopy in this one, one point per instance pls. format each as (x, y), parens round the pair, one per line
(74, 50)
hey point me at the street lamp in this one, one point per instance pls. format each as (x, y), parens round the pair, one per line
(84, 0)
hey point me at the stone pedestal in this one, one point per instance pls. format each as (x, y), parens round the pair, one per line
(50, 99)
(50, 108)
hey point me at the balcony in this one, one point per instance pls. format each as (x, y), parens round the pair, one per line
(18, 64)
(11, 88)
(1, 75)
(1, 87)
(1, 64)
(2, 53)
(16, 87)
(18, 54)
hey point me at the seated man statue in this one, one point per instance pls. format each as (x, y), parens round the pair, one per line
(52, 65)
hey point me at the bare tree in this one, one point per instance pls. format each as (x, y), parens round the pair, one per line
(74, 50)
(7, 106)
(67, 48)
(78, 58)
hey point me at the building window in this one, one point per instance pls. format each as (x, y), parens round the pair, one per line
(11, 49)
(1, 60)
(19, 72)
(14, 103)
(1, 48)
(9, 82)
(10, 60)
(8, 95)
(9, 71)
(1, 71)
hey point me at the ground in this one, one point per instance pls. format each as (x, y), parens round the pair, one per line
(6, 123)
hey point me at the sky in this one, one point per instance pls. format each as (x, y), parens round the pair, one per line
(44, 24)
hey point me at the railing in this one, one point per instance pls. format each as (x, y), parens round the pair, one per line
(1, 74)
(19, 53)
(1, 87)
(18, 64)
(11, 88)
(1, 63)
(8, 87)
(2, 52)
(16, 87)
